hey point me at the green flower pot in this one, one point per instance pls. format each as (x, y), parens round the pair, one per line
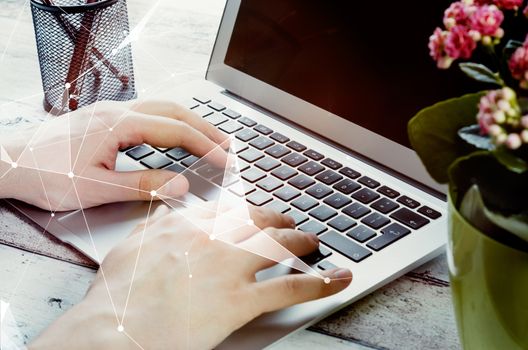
(489, 282)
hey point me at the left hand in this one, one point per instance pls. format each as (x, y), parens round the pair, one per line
(84, 145)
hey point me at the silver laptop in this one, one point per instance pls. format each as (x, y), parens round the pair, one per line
(317, 96)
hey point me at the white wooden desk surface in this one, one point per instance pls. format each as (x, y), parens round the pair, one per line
(413, 312)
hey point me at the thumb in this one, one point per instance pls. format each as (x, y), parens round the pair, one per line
(138, 185)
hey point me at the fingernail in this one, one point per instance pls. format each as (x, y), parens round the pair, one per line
(342, 274)
(291, 221)
(177, 186)
(314, 237)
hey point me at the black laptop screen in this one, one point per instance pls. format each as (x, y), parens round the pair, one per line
(366, 61)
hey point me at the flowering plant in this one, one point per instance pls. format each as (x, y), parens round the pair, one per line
(480, 141)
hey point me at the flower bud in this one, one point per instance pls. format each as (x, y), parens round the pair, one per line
(499, 117)
(495, 130)
(524, 121)
(524, 135)
(503, 105)
(513, 141)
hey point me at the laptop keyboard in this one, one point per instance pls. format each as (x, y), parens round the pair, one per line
(353, 214)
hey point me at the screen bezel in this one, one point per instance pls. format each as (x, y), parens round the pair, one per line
(365, 142)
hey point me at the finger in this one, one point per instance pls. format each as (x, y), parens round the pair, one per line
(175, 111)
(271, 245)
(281, 292)
(166, 132)
(139, 185)
(265, 217)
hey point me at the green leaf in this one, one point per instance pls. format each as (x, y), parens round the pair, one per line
(433, 133)
(480, 72)
(471, 134)
(510, 160)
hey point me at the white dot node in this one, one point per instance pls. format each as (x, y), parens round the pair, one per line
(186, 253)
(190, 276)
(173, 75)
(327, 280)
(67, 85)
(212, 237)
(111, 129)
(153, 193)
(14, 165)
(70, 175)
(250, 222)
(52, 215)
(120, 328)
(31, 149)
(143, 90)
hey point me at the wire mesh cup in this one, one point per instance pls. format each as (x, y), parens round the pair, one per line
(83, 51)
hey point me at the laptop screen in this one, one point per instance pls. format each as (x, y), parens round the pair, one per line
(365, 61)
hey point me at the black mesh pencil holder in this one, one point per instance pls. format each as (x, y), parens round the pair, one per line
(84, 53)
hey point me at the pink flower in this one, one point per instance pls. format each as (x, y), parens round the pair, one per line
(487, 21)
(437, 49)
(458, 14)
(519, 65)
(459, 43)
(508, 4)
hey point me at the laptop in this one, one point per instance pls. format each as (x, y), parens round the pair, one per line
(317, 95)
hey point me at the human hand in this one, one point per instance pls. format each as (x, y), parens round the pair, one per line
(187, 290)
(69, 162)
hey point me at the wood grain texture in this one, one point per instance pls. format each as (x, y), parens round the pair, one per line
(413, 312)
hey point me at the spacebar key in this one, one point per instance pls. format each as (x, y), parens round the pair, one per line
(198, 185)
(345, 246)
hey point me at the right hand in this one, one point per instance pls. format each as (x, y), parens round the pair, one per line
(166, 308)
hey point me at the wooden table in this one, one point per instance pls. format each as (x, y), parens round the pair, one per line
(413, 312)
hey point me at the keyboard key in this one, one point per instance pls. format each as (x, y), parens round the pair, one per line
(313, 154)
(156, 161)
(178, 154)
(319, 191)
(242, 189)
(367, 181)
(216, 119)
(341, 223)
(267, 163)
(259, 198)
(287, 193)
(238, 146)
(346, 186)
(231, 114)
(178, 169)
(203, 111)
(429, 212)
(296, 146)
(278, 151)
(294, 159)
(242, 166)
(389, 192)
(190, 161)
(284, 172)
(269, 184)
(337, 201)
(139, 152)
(409, 218)
(263, 129)
(224, 181)
(190, 104)
(311, 168)
(328, 177)
(351, 173)
(365, 195)
(217, 106)
(297, 216)
(246, 135)
(375, 221)
(313, 227)
(323, 213)
(361, 233)
(345, 246)
(332, 164)
(161, 149)
(304, 203)
(261, 142)
(202, 99)
(279, 137)
(278, 206)
(301, 181)
(411, 203)
(384, 205)
(390, 234)
(253, 175)
(251, 155)
(247, 121)
(320, 254)
(230, 127)
(326, 265)
(208, 171)
(356, 210)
